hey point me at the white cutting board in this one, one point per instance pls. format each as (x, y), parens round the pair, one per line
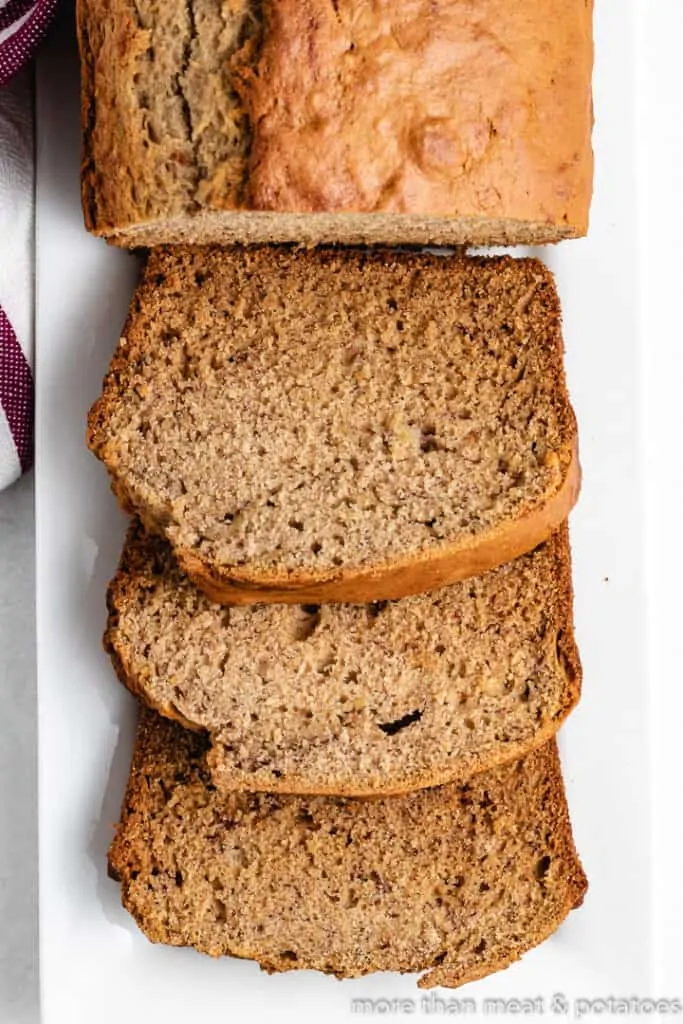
(96, 968)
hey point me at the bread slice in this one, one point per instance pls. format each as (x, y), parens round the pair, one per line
(339, 426)
(455, 881)
(310, 121)
(352, 699)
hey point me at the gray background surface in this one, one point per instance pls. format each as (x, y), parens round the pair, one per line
(18, 771)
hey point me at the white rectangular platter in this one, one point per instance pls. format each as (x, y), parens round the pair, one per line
(626, 941)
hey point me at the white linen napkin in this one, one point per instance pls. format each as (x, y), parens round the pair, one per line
(22, 25)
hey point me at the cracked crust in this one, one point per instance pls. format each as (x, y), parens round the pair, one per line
(119, 173)
(458, 881)
(164, 132)
(340, 140)
(200, 121)
(303, 759)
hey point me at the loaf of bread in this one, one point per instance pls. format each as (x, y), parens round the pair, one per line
(457, 881)
(309, 426)
(419, 121)
(352, 699)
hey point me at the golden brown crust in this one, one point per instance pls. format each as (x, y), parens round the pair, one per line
(493, 141)
(134, 573)
(131, 169)
(169, 770)
(88, 113)
(110, 44)
(496, 121)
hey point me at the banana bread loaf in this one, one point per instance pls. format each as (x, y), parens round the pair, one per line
(303, 120)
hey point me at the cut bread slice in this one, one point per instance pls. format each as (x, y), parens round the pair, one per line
(340, 426)
(457, 881)
(355, 699)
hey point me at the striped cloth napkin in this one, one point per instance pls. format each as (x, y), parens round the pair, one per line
(22, 23)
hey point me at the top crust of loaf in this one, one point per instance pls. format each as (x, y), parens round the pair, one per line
(352, 426)
(420, 123)
(480, 110)
(458, 880)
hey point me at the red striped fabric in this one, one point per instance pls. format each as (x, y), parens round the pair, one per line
(25, 21)
(13, 11)
(22, 25)
(16, 392)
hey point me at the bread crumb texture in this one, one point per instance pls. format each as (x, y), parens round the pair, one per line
(454, 881)
(286, 415)
(356, 699)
